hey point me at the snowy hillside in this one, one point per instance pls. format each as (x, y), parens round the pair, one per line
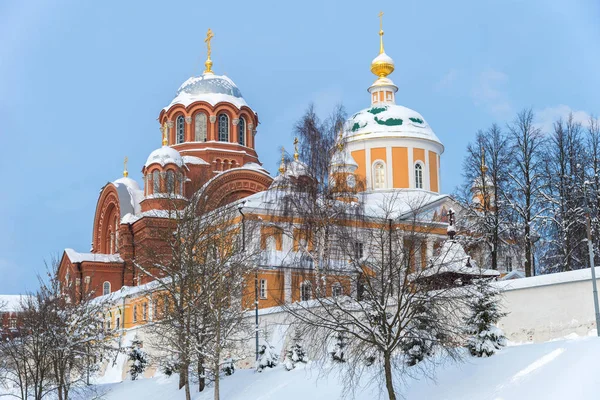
(557, 370)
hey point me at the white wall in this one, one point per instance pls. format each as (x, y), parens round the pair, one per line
(549, 306)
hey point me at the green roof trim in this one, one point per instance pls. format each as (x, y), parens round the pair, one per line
(416, 120)
(377, 110)
(389, 121)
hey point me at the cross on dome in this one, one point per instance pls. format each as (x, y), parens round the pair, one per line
(208, 63)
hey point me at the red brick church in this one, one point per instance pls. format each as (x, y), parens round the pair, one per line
(208, 141)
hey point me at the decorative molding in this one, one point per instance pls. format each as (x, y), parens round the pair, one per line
(188, 120)
(213, 119)
(235, 121)
(170, 124)
(250, 126)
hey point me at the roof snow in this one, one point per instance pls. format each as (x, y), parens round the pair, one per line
(130, 196)
(454, 259)
(76, 257)
(390, 119)
(210, 88)
(164, 155)
(193, 160)
(549, 279)
(11, 302)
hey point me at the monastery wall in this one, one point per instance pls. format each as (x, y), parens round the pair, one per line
(548, 307)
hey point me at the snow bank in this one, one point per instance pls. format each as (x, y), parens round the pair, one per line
(520, 372)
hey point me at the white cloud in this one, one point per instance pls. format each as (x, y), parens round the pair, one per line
(489, 91)
(546, 117)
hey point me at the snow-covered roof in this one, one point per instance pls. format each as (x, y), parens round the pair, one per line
(394, 203)
(193, 160)
(77, 257)
(130, 196)
(548, 279)
(210, 88)
(295, 169)
(453, 259)
(11, 302)
(390, 120)
(163, 156)
(127, 291)
(515, 274)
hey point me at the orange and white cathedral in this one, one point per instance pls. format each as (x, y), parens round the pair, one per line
(209, 136)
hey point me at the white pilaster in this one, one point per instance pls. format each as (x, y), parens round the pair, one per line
(411, 168)
(426, 177)
(287, 285)
(389, 168)
(369, 167)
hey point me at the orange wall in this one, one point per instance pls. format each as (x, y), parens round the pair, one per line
(359, 157)
(378, 153)
(419, 155)
(433, 172)
(400, 164)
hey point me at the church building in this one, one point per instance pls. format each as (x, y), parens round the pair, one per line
(209, 136)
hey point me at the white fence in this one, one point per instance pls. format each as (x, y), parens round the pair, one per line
(548, 307)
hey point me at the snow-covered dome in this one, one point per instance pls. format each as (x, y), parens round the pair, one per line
(296, 169)
(389, 120)
(342, 161)
(210, 88)
(130, 183)
(163, 156)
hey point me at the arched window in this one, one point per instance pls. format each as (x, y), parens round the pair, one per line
(242, 132)
(418, 176)
(180, 129)
(106, 288)
(180, 180)
(200, 127)
(305, 291)
(144, 311)
(135, 313)
(156, 181)
(170, 182)
(223, 128)
(379, 175)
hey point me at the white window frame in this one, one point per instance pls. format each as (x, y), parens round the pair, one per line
(145, 311)
(263, 289)
(105, 291)
(226, 126)
(375, 168)
(419, 179)
(135, 313)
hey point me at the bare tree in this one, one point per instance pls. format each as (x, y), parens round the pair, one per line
(564, 169)
(525, 173)
(484, 192)
(360, 259)
(53, 348)
(200, 274)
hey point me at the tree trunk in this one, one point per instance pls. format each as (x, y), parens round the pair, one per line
(201, 373)
(389, 383)
(528, 266)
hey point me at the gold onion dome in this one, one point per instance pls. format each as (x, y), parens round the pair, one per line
(382, 65)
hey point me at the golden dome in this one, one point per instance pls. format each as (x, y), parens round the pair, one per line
(382, 65)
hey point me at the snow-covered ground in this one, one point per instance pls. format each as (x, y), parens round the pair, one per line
(561, 369)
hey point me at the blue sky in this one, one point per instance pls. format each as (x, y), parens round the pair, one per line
(82, 83)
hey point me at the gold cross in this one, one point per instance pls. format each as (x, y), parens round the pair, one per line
(296, 149)
(209, 36)
(381, 32)
(125, 172)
